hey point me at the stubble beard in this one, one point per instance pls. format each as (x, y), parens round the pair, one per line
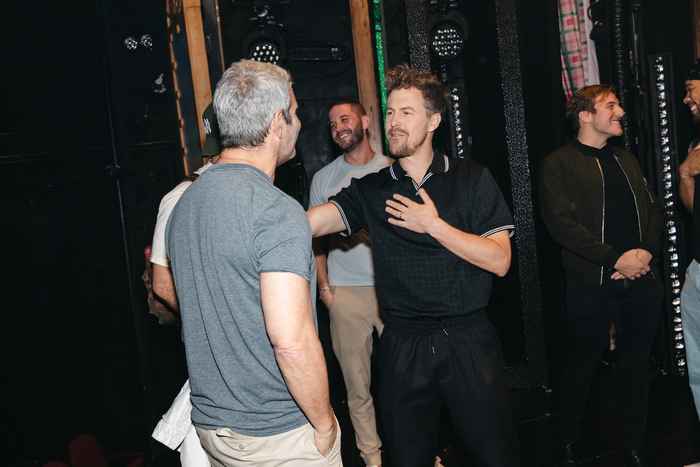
(356, 138)
(404, 148)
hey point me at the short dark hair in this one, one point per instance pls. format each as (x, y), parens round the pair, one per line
(358, 108)
(584, 101)
(435, 94)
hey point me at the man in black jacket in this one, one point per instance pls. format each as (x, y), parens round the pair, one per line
(596, 206)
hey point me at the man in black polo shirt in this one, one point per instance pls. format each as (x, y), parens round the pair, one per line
(596, 206)
(439, 229)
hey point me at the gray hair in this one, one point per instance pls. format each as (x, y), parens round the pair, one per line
(247, 98)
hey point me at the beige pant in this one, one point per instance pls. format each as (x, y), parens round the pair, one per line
(294, 448)
(354, 313)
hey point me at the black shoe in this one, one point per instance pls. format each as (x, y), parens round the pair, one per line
(566, 455)
(637, 459)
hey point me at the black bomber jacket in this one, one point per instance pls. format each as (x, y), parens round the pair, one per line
(572, 201)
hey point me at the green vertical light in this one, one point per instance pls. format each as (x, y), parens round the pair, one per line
(378, 40)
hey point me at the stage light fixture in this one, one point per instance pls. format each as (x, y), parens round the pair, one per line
(446, 42)
(131, 43)
(265, 51)
(447, 37)
(448, 33)
(147, 41)
(456, 112)
(267, 40)
(268, 45)
(661, 85)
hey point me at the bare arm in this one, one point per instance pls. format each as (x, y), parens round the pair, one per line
(320, 245)
(325, 219)
(688, 170)
(164, 286)
(490, 253)
(286, 304)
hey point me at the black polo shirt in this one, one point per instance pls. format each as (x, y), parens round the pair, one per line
(415, 275)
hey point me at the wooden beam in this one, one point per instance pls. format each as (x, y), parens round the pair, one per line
(198, 60)
(364, 67)
(695, 7)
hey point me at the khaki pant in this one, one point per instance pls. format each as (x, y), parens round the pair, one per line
(353, 314)
(294, 448)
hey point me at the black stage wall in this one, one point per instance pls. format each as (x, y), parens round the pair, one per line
(88, 148)
(89, 144)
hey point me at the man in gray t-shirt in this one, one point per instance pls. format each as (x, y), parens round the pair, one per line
(244, 271)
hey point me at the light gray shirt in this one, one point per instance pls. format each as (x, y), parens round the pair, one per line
(231, 225)
(349, 258)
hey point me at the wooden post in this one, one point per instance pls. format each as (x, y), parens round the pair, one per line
(198, 60)
(364, 67)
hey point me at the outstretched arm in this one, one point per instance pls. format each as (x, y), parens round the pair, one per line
(286, 303)
(325, 219)
(490, 253)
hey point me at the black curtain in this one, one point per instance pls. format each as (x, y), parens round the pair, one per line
(89, 144)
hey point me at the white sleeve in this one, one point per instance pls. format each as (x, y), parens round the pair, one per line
(316, 196)
(167, 204)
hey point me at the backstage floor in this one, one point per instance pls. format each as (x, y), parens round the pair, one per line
(673, 436)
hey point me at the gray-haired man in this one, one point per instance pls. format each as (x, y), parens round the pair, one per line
(245, 275)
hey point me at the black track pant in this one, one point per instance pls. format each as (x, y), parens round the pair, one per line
(635, 307)
(458, 361)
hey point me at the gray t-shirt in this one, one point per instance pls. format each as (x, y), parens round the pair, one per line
(231, 225)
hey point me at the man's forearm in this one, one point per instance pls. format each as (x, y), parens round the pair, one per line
(164, 286)
(688, 170)
(304, 372)
(490, 253)
(286, 303)
(687, 191)
(320, 246)
(325, 219)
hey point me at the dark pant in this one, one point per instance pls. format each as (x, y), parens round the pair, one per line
(458, 361)
(634, 307)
